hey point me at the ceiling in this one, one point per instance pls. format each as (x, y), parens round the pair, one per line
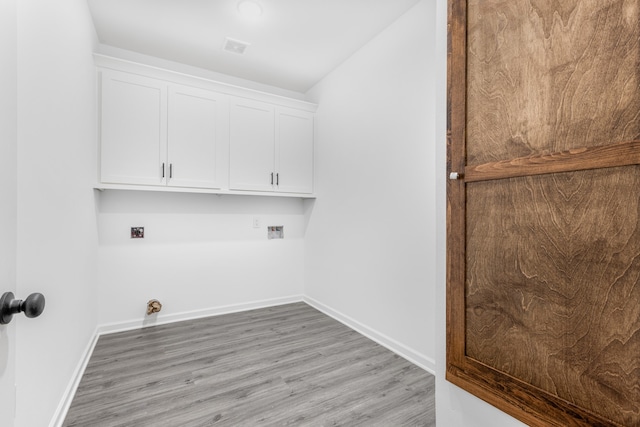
(293, 44)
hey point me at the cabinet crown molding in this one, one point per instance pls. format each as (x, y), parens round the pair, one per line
(171, 76)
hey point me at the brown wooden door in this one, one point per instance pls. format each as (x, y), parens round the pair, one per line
(543, 224)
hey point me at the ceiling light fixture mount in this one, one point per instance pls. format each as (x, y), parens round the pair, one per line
(249, 9)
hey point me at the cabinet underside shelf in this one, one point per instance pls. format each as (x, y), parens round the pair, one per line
(219, 192)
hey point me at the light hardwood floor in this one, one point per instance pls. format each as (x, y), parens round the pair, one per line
(289, 365)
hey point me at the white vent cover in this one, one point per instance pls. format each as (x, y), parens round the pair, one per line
(235, 46)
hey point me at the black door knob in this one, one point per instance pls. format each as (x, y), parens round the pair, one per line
(33, 306)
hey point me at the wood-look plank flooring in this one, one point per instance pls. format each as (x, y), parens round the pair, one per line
(280, 366)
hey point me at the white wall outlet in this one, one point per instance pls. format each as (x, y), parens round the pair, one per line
(256, 222)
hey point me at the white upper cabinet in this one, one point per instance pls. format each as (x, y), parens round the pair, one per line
(294, 150)
(252, 144)
(165, 131)
(197, 137)
(155, 133)
(271, 148)
(133, 129)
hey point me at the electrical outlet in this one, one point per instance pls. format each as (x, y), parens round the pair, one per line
(137, 232)
(256, 222)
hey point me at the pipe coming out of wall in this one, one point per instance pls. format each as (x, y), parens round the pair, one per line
(153, 306)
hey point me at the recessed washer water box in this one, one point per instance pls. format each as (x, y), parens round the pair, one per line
(275, 232)
(137, 232)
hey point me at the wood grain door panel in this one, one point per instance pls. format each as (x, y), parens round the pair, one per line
(543, 237)
(548, 76)
(552, 267)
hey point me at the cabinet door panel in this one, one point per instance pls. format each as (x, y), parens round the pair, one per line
(196, 137)
(294, 151)
(133, 129)
(252, 142)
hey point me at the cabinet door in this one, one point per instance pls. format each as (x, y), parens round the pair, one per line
(133, 129)
(294, 151)
(197, 137)
(252, 144)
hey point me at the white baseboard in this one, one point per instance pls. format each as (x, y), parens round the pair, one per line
(415, 357)
(67, 397)
(111, 328)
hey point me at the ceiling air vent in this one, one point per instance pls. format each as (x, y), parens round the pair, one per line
(235, 46)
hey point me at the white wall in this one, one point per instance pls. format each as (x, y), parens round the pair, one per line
(200, 255)
(454, 406)
(8, 197)
(56, 226)
(370, 243)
